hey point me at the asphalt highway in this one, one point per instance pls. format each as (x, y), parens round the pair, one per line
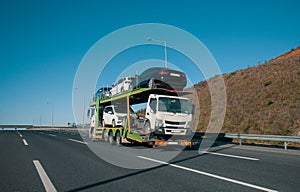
(63, 161)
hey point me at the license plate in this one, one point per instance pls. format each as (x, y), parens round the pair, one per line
(172, 143)
(175, 74)
(176, 131)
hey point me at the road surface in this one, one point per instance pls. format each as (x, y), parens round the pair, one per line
(62, 161)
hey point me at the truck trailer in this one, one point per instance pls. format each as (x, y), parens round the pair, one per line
(165, 120)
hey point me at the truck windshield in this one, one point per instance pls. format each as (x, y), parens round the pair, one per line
(174, 105)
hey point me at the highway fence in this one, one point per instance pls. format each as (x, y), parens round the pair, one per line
(285, 139)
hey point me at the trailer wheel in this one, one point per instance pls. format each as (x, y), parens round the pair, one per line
(110, 138)
(118, 139)
(105, 136)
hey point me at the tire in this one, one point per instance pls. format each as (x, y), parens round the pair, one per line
(105, 136)
(113, 123)
(147, 127)
(111, 138)
(118, 139)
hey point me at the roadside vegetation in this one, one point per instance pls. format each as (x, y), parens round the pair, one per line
(263, 99)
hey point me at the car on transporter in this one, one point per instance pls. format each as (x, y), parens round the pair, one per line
(123, 85)
(160, 77)
(103, 93)
(114, 115)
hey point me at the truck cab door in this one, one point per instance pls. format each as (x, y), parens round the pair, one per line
(91, 116)
(151, 111)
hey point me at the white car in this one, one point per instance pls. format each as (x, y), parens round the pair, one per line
(123, 85)
(114, 115)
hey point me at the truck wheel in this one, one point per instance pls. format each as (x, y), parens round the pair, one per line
(111, 138)
(118, 139)
(113, 123)
(147, 127)
(105, 136)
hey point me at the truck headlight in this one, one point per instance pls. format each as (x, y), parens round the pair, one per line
(159, 123)
(189, 124)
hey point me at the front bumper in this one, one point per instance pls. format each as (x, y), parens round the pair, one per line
(173, 131)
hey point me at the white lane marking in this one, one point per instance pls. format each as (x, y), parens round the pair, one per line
(52, 135)
(209, 174)
(78, 141)
(228, 155)
(25, 142)
(44, 177)
(19, 134)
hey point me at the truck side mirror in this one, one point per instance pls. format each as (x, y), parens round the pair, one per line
(88, 113)
(193, 109)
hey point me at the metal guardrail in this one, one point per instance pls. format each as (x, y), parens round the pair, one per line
(285, 139)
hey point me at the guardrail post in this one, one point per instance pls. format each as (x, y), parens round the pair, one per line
(285, 145)
(240, 141)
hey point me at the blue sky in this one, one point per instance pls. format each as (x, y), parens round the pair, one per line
(43, 42)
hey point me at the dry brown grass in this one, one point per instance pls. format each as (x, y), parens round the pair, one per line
(264, 99)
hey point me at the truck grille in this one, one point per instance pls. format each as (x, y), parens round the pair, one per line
(174, 123)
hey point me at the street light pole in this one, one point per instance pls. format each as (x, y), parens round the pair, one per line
(165, 46)
(83, 114)
(51, 114)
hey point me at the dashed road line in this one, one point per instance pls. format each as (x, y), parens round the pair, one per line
(49, 187)
(82, 142)
(209, 174)
(19, 134)
(52, 135)
(25, 142)
(233, 156)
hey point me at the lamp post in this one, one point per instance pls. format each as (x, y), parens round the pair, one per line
(83, 113)
(165, 45)
(51, 113)
(83, 110)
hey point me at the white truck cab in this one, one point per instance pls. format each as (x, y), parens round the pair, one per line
(168, 115)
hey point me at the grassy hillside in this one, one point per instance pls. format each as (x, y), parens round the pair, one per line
(264, 99)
